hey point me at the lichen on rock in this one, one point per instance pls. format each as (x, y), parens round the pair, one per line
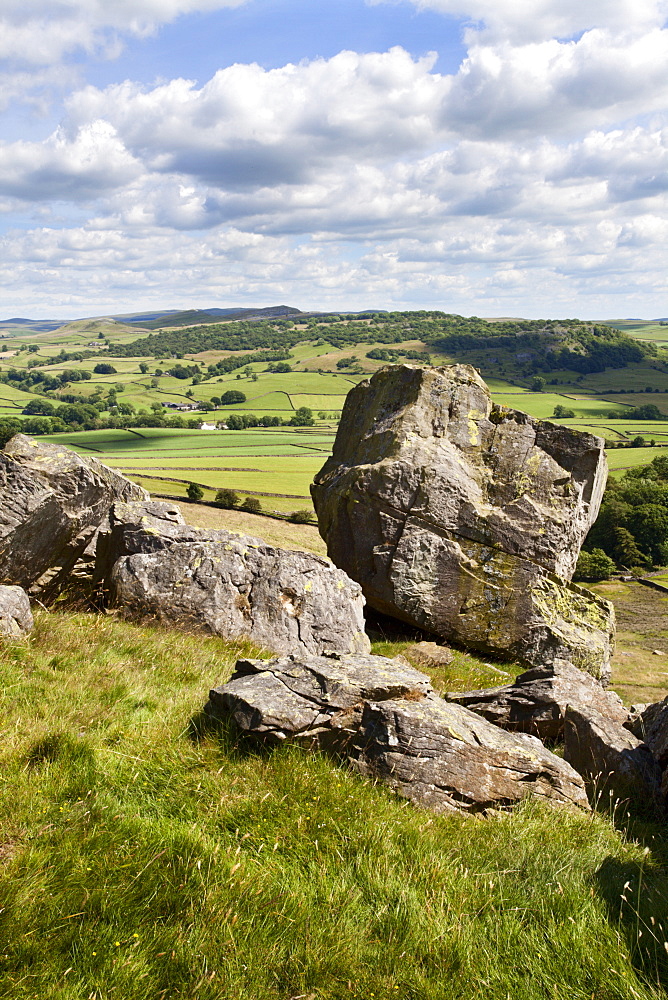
(465, 518)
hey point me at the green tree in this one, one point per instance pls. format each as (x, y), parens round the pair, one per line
(227, 499)
(8, 428)
(143, 367)
(302, 517)
(39, 407)
(538, 383)
(303, 417)
(194, 491)
(649, 526)
(252, 505)
(594, 565)
(625, 551)
(563, 412)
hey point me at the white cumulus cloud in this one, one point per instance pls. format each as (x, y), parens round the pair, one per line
(536, 20)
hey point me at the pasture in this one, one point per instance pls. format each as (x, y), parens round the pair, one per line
(276, 465)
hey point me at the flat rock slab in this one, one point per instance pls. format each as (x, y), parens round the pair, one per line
(446, 758)
(385, 719)
(315, 700)
(429, 655)
(153, 565)
(52, 501)
(536, 701)
(615, 764)
(15, 614)
(465, 518)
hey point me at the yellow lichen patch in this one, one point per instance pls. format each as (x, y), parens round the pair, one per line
(456, 735)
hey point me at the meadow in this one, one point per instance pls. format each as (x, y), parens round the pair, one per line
(146, 855)
(276, 465)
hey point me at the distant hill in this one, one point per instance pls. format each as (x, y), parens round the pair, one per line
(200, 317)
(17, 325)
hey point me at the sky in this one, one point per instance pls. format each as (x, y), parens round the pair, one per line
(482, 157)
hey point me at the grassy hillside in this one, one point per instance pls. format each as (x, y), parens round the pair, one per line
(142, 857)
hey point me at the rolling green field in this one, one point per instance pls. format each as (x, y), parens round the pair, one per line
(282, 461)
(630, 458)
(654, 332)
(542, 404)
(274, 465)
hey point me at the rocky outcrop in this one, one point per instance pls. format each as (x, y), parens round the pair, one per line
(465, 518)
(615, 764)
(385, 720)
(15, 614)
(537, 700)
(151, 564)
(52, 503)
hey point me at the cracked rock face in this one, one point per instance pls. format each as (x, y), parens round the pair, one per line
(614, 763)
(537, 700)
(385, 720)
(53, 501)
(152, 564)
(465, 518)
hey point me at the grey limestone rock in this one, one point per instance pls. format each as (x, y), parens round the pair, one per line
(313, 700)
(52, 503)
(615, 764)
(536, 701)
(385, 720)
(651, 726)
(445, 757)
(428, 654)
(15, 614)
(152, 564)
(465, 518)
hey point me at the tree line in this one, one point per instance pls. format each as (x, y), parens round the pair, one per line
(631, 531)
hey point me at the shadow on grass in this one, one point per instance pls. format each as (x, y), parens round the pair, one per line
(636, 897)
(232, 741)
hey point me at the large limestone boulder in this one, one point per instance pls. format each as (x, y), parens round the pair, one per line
(465, 518)
(537, 700)
(52, 501)
(15, 614)
(385, 720)
(151, 564)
